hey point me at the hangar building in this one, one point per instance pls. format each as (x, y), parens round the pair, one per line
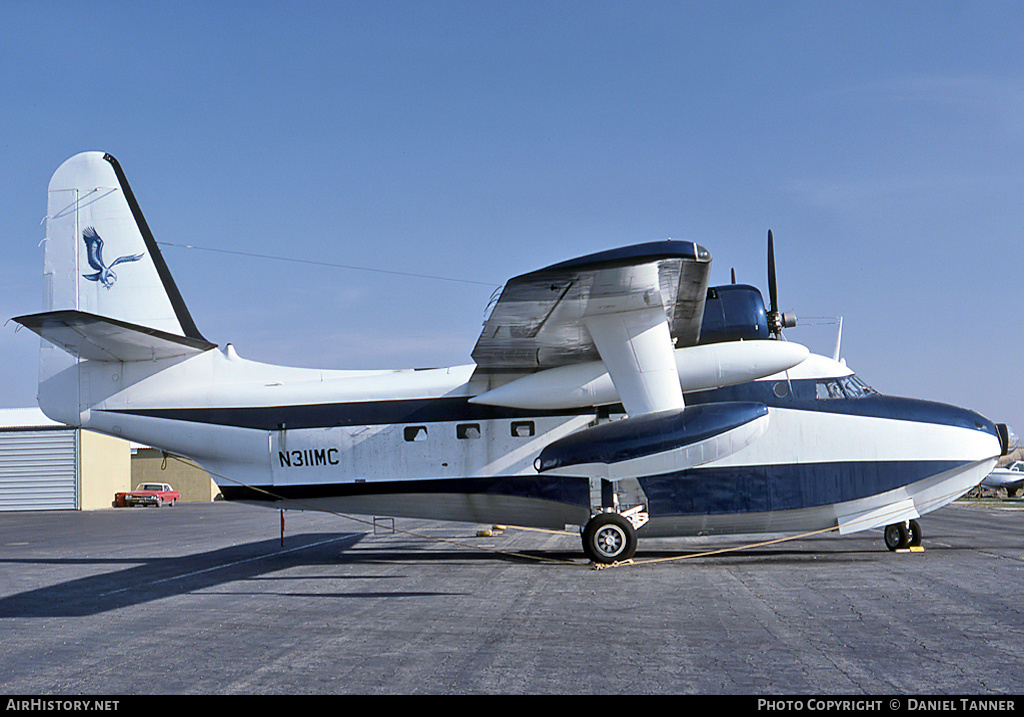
(45, 465)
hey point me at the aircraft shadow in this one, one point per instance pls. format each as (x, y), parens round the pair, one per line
(134, 581)
(126, 581)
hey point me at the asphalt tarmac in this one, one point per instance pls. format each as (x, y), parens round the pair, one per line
(204, 599)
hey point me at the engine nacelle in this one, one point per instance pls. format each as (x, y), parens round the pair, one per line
(699, 367)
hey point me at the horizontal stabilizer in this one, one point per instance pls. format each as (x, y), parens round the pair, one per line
(656, 443)
(98, 338)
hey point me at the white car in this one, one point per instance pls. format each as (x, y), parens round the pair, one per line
(1010, 477)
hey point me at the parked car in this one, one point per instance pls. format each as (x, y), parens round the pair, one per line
(157, 494)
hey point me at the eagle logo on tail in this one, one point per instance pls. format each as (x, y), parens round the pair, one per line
(104, 274)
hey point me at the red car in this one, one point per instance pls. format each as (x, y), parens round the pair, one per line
(157, 494)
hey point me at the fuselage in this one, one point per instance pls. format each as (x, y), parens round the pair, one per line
(411, 444)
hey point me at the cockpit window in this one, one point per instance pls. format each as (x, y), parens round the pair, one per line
(845, 387)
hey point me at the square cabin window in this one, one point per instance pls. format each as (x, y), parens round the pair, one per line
(522, 429)
(467, 431)
(415, 433)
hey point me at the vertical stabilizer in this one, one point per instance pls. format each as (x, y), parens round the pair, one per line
(101, 258)
(107, 296)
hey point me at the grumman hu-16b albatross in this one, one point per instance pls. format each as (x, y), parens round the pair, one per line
(616, 392)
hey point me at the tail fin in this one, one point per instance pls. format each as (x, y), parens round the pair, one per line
(108, 293)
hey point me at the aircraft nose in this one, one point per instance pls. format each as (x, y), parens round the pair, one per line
(958, 432)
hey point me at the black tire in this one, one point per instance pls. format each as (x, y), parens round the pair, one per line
(609, 538)
(897, 536)
(915, 534)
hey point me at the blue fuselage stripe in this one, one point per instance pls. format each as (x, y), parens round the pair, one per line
(761, 489)
(698, 491)
(358, 413)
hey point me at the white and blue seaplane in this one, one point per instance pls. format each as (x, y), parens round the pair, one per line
(617, 392)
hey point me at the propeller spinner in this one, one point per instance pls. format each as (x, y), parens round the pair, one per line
(777, 321)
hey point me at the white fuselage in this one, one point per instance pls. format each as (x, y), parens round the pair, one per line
(411, 444)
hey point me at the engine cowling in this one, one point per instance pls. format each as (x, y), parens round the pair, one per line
(733, 312)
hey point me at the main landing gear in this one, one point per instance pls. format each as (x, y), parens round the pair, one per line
(901, 536)
(610, 537)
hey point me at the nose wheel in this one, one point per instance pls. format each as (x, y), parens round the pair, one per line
(902, 536)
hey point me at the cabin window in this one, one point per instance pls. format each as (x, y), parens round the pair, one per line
(825, 390)
(522, 429)
(467, 430)
(845, 387)
(415, 433)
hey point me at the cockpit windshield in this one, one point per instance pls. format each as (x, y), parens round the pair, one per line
(843, 387)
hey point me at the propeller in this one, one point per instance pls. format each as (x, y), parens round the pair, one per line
(777, 321)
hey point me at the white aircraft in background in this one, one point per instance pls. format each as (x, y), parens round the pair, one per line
(616, 392)
(1010, 477)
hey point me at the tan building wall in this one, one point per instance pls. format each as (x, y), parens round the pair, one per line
(104, 469)
(184, 476)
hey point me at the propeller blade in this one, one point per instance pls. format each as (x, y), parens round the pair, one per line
(777, 320)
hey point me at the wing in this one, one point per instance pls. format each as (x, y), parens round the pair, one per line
(628, 307)
(625, 317)
(539, 320)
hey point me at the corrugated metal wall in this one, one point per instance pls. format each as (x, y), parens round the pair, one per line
(38, 470)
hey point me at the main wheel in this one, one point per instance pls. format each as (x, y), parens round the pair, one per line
(914, 534)
(897, 536)
(608, 537)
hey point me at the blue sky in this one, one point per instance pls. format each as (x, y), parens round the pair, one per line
(882, 142)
